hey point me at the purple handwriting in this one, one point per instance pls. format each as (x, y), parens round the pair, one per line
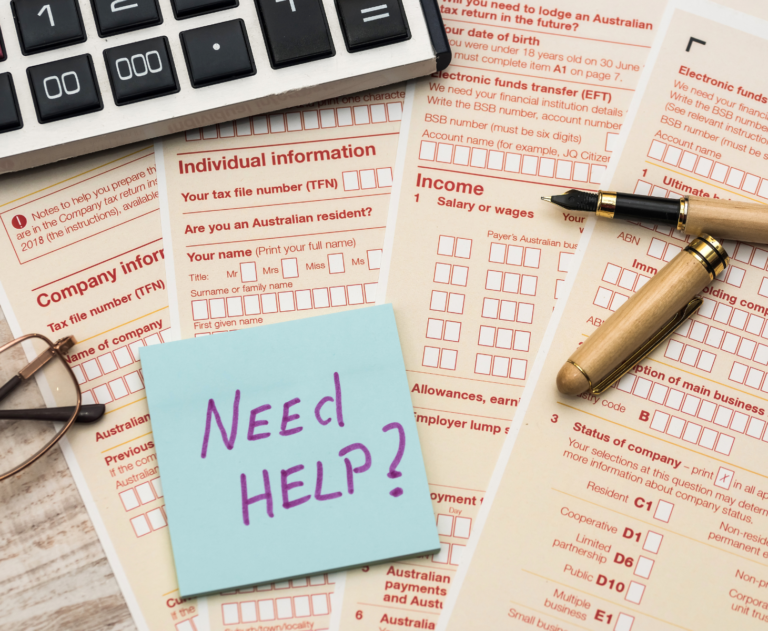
(347, 453)
(229, 437)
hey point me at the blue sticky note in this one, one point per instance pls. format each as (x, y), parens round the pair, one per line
(288, 450)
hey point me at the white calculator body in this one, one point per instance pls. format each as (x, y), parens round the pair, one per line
(78, 76)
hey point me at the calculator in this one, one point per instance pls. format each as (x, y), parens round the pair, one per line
(78, 76)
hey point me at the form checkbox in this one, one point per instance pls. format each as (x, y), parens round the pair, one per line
(320, 298)
(123, 357)
(285, 299)
(370, 292)
(157, 519)
(284, 609)
(504, 338)
(248, 272)
(320, 604)
(303, 299)
(635, 592)
(145, 493)
(374, 259)
(663, 511)
(463, 525)
(338, 296)
(624, 622)
(92, 370)
(230, 613)
(80, 375)
(652, 542)
(251, 304)
(453, 332)
(643, 567)
(483, 364)
(107, 363)
(724, 478)
(218, 308)
(140, 525)
(336, 263)
(435, 328)
(234, 306)
(269, 303)
(266, 609)
(129, 499)
(157, 487)
(431, 357)
(290, 268)
(248, 611)
(301, 606)
(444, 525)
(102, 394)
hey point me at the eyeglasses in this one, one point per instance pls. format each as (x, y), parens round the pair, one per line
(53, 395)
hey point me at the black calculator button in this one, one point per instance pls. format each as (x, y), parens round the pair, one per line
(296, 31)
(10, 116)
(64, 88)
(3, 56)
(47, 24)
(217, 53)
(121, 16)
(189, 8)
(140, 71)
(371, 23)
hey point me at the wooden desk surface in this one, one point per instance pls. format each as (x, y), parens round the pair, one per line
(53, 572)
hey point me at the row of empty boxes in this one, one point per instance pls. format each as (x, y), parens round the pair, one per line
(515, 255)
(444, 358)
(140, 494)
(448, 153)
(451, 526)
(511, 283)
(276, 609)
(500, 366)
(454, 246)
(283, 301)
(683, 402)
(450, 553)
(290, 266)
(508, 310)
(748, 376)
(297, 121)
(367, 178)
(150, 521)
(114, 389)
(119, 358)
(727, 341)
(716, 171)
(504, 338)
(304, 581)
(190, 624)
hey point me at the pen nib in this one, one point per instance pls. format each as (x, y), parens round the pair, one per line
(546, 199)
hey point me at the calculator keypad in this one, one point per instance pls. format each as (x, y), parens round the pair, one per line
(295, 31)
(64, 88)
(141, 71)
(121, 16)
(190, 8)
(47, 24)
(371, 23)
(10, 116)
(217, 53)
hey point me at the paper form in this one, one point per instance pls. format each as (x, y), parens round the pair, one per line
(644, 508)
(273, 218)
(532, 103)
(81, 253)
(280, 216)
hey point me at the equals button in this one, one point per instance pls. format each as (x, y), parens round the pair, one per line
(369, 25)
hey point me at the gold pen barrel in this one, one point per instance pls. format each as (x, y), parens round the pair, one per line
(642, 317)
(740, 221)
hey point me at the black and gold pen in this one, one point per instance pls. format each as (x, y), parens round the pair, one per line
(740, 221)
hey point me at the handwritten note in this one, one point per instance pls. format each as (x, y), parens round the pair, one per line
(288, 450)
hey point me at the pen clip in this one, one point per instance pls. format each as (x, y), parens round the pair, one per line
(646, 349)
